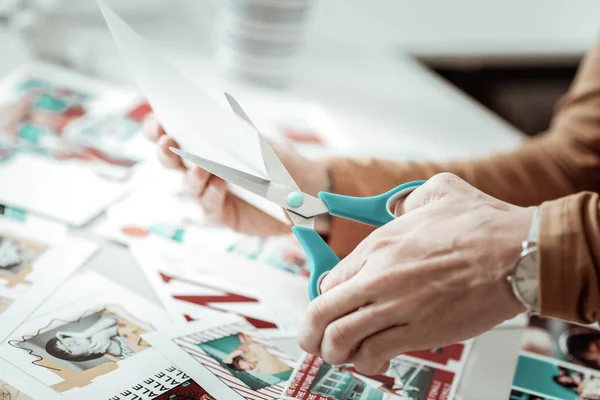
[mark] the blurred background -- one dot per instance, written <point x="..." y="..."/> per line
<point x="378" y="59"/>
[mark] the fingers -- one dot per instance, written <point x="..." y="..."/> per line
<point x="374" y="353"/>
<point x="434" y="189"/>
<point x="196" y="180"/>
<point x="166" y="157"/>
<point x="152" y="129"/>
<point x="342" y="272"/>
<point x="373" y="367"/>
<point x="326" y="308"/>
<point x="213" y="199"/>
<point x="343" y="337"/>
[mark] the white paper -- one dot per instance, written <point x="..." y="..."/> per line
<point x="187" y="347"/>
<point x="34" y="263"/>
<point x="127" y="365"/>
<point x="269" y="299"/>
<point x="198" y="124"/>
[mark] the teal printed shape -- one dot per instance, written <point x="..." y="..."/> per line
<point x="33" y="83"/>
<point x="537" y="375"/>
<point x="31" y="133"/>
<point x="50" y="103"/>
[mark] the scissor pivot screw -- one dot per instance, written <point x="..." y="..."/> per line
<point x="295" y="199"/>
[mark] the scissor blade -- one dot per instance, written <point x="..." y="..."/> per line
<point x="246" y="181"/>
<point x="238" y="110"/>
<point x="272" y="191"/>
<point x="275" y="168"/>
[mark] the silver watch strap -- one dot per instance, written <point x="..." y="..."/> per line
<point x="534" y="230"/>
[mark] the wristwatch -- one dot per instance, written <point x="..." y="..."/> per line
<point x="524" y="279"/>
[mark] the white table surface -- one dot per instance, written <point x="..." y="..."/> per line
<point x="459" y="31"/>
<point x="386" y="104"/>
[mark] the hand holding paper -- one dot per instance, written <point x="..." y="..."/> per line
<point x="229" y="210"/>
<point x="196" y="123"/>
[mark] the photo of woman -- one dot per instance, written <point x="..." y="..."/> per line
<point x="102" y="338"/>
<point x="249" y="360"/>
<point x="588" y="388"/>
<point x="252" y="356"/>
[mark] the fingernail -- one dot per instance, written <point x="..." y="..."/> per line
<point x="322" y="284"/>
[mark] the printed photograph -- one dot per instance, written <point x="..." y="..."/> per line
<point x="53" y="120"/>
<point x="79" y="351"/>
<point x="248" y="360"/>
<point x="563" y="341"/>
<point x="404" y="380"/>
<point x="188" y="390"/>
<point x="551" y="379"/>
<point x="281" y="252"/>
<point x="17" y="257"/>
<point x="5" y="302"/>
<point x="7" y="392"/>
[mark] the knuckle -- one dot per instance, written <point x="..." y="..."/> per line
<point x="315" y="316"/>
<point x="335" y="335"/>
<point x="304" y="341"/>
<point x="371" y="348"/>
<point x="334" y="345"/>
<point x="443" y="178"/>
<point x="367" y="367"/>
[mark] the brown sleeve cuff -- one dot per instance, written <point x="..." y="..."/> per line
<point x="569" y="258"/>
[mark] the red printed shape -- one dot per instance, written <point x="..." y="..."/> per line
<point x="225" y="297"/>
<point x="442" y="355"/>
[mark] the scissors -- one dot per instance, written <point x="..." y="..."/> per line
<point x="301" y="207"/>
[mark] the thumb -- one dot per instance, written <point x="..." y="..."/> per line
<point x="434" y="189"/>
<point x="342" y="272"/>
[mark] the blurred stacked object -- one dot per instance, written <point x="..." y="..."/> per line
<point x="257" y="41"/>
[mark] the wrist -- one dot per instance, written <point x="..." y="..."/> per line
<point x="523" y="278"/>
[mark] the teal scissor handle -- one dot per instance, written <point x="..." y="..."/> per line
<point x="375" y="210"/>
<point x="320" y="257"/>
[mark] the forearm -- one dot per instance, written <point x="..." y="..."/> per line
<point x="530" y="175"/>
<point x="569" y="258"/>
<point x="563" y="161"/>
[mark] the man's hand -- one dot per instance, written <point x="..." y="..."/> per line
<point x="221" y="206"/>
<point x="434" y="276"/>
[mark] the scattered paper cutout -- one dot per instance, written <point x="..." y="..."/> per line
<point x="81" y="350"/>
<point x="17" y="257"/>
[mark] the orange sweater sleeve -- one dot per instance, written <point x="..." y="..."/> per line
<point x="563" y="161"/>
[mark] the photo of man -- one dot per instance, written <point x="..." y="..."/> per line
<point x="249" y="360"/>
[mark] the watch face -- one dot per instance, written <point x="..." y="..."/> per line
<point x="527" y="278"/>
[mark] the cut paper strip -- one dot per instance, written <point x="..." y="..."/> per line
<point x="190" y="116"/>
